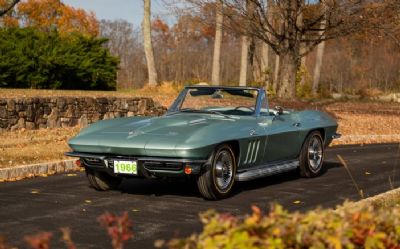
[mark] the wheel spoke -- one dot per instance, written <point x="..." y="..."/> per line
<point x="223" y="170"/>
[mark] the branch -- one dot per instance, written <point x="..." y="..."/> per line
<point x="10" y="7"/>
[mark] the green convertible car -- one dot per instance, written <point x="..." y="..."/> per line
<point x="216" y="135"/>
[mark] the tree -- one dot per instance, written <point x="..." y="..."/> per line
<point x="124" y="42"/>
<point x="6" y="6"/>
<point x="343" y="17"/>
<point x="37" y="59"/>
<point x="47" y="15"/>
<point x="148" y="46"/>
<point x="244" y="58"/>
<point x="318" y="62"/>
<point x="216" y="67"/>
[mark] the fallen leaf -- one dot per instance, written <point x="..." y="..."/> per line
<point x="296" y="202"/>
<point x="71" y="175"/>
<point x="367" y="173"/>
<point x="135" y="210"/>
<point x="88" y="201"/>
<point x="35" y="191"/>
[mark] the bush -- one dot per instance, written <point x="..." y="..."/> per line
<point x="33" y="59"/>
<point x="346" y="227"/>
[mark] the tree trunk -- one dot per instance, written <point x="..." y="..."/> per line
<point x="288" y="67"/>
<point x="276" y="73"/>
<point x="148" y="46"/>
<point x="216" y="67"/>
<point x="318" y="60"/>
<point x="8" y="7"/>
<point x="265" y="63"/>
<point x="244" y="61"/>
<point x="318" y="66"/>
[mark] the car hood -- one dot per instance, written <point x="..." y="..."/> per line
<point x="157" y="136"/>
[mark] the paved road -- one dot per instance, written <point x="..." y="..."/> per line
<point x="161" y="209"/>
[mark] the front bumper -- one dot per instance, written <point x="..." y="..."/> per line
<point x="336" y="136"/>
<point x="147" y="166"/>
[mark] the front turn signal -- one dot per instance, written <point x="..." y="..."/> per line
<point x="188" y="170"/>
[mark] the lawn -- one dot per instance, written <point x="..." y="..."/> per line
<point x="359" y="122"/>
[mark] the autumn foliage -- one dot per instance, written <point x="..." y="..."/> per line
<point x="47" y="15"/>
<point x="347" y="227"/>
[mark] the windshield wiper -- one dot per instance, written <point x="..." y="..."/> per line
<point x="200" y="111"/>
<point x="219" y="113"/>
<point x="182" y="110"/>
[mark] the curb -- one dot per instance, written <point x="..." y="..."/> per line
<point x="40" y="169"/>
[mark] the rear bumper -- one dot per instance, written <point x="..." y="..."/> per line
<point x="336" y="136"/>
<point x="147" y="166"/>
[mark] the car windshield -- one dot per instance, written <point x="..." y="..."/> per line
<point x="220" y="101"/>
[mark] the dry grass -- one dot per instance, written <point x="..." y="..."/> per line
<point x="163" y="94"/>
<point x="367" y="122"/>
<point x="29" y="147"/>
<point x="359" y="122"/>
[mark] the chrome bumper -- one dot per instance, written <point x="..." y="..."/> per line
<point x="336" y="136"/>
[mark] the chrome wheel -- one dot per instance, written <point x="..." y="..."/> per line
<point x="315" y="153"/>
<point x="224" y="166"/>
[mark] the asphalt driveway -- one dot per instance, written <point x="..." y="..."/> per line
<point x="161" y="209"/>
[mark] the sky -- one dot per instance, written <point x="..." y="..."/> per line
<point x="129" y="10"/>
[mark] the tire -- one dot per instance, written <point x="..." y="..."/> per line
<point x="102" y="181"/>
<point x="217" y="179"/>
<point x="312" y="155"/>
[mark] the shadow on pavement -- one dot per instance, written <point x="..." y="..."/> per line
<point x="188" y="187"/>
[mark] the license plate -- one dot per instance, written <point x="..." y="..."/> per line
<point x="125" y="167"/>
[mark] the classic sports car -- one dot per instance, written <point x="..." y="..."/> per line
<point x="217" y="135"/>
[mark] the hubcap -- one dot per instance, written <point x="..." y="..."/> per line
<point x="223" y="170"/>
<point x="315" y="153"/>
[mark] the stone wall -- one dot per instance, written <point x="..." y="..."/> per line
<point x="34" y="113"/>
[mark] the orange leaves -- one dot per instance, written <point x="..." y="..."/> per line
<point x="49" y="14"/>
<point x="159" y="25"/>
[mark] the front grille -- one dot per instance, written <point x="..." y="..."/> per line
<point x="169" y="166"/>
<point x="93" y="162"/>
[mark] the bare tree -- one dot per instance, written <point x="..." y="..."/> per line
<point x="343" y="17"/>
<point x="276" y="73"/>
<point x="125" y="41"/>
<point x="318" y="62"/>
<point x="148" y="46"/>
<point x="216" y="67"/>
<point x="244" y="58"/>
<point x="8" y="7"/>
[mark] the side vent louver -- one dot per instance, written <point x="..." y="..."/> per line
<point x="252" y="152"/>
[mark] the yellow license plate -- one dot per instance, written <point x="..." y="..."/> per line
<point x="125" y="167"/>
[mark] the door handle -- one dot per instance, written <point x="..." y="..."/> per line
<point x="297" y="124"/>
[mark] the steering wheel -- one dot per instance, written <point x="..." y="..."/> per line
<point x="245" y="107"/>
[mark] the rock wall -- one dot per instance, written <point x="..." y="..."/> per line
<point x="34" y="113"/>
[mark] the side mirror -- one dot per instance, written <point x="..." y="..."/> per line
<point x="279" y="110"/>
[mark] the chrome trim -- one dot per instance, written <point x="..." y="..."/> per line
<point x="267" y="170"/>
<point x="336" y="136"/>
<point x="154" y="159"/>
<point x="256" y="154"/>
<point x="248" y="151"/>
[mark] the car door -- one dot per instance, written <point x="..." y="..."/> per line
<point x="282" y="138"/>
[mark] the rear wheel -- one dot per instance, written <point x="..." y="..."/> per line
<point x="102" y="181"/>
<point x="312" y="155"/>
<point x="217" y="180"/>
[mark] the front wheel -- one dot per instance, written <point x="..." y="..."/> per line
<point x="102" y="181"/>
<point x="217" y="180"/>
<point x="312" y="155"/>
